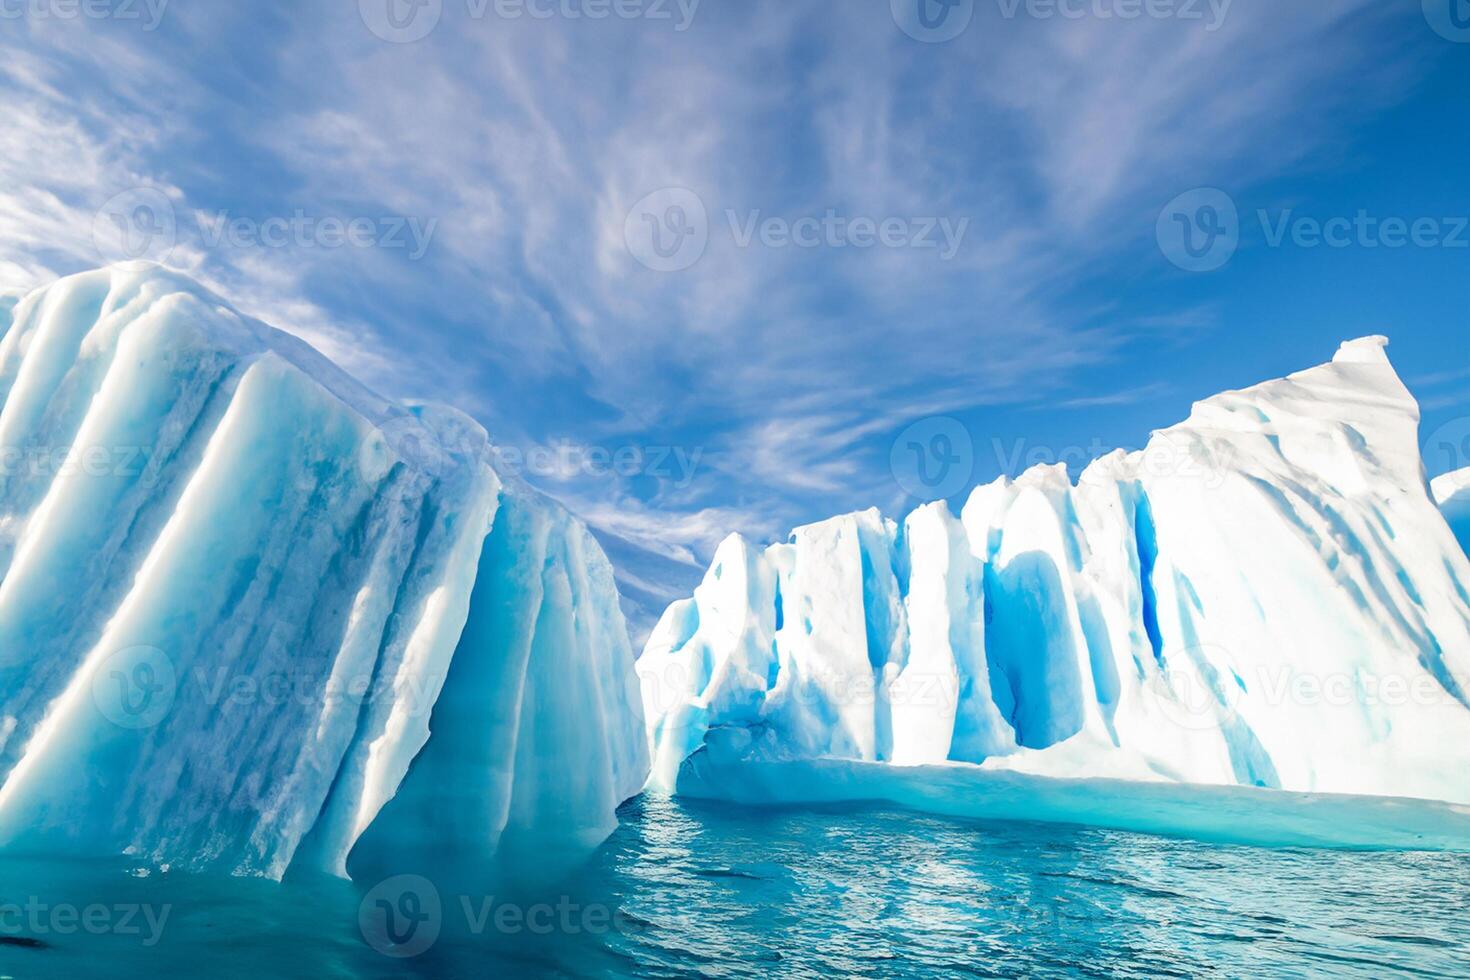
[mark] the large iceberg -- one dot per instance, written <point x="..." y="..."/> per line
<point x="254" y="617"/>
<point x="1265" y="596"/>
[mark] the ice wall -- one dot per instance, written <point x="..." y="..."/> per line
<point x="254" y="617"/>
<point x="1266" y="595"/>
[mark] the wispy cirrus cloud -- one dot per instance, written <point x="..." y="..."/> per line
<point x="1128" y="396"/>
<point x="528" y="141"/>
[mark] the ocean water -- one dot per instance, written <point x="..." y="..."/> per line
<point x="700" y="890"/>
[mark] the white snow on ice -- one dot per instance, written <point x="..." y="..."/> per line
<point x="1265" y="596"/>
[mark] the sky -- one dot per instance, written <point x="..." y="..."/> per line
<point x="706" y="266"/>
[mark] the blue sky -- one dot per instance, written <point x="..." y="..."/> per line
<point x="1026" y="287"/>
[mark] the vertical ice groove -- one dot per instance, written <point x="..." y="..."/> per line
<point x="84" y="524"/>
<point x="513" y="604"/>
<point x="541" y="604"/>
<point x="1246" y="600"/>
<point x="20" y="321"/>
<point x="63" y="320"/>
<point x="1146" y="543"/>
<point x="8" y="301"/>
<point x="723" y="641"/>
<point x="324" y="578"/>
<point x="69" y="715"/>
<point x="420" y="674"/>
<point x="430" y="605"/>
<point x="466" y="773"/>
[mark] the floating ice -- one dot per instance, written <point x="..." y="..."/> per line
<point x="1216" y="814"/>
<point x="1265" y="596"/>
<point x="254" y="617"/>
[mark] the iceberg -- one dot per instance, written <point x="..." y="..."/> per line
<point x="1265" y="597"/>
<point x="256" y="618"/>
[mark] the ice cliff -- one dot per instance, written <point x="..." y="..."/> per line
<point x="1265" y="596"/>
<point x="254" y="617"/>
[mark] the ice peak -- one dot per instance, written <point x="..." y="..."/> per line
<point x="1046" y="476"/>
<point x="1453" y="486"/>
<point x="1363" y="350"/>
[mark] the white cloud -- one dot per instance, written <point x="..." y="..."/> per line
<point x="528" y="141"/>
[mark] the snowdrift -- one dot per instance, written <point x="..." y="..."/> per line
<point x="1266" y="596"/>
<point x="254" y="617"/>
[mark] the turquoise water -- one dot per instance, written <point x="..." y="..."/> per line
<point x="689" y="890"/>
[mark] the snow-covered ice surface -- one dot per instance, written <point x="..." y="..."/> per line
<point x="254" y="617"/>
<point x="1265" y="596"/>
<point x="1214" y="814"/>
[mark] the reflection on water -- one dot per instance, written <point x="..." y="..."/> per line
<point x="685" y="890"/>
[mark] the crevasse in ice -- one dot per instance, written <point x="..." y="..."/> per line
<point x="254" y="617"/>
<point x="1265" y="596"/>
